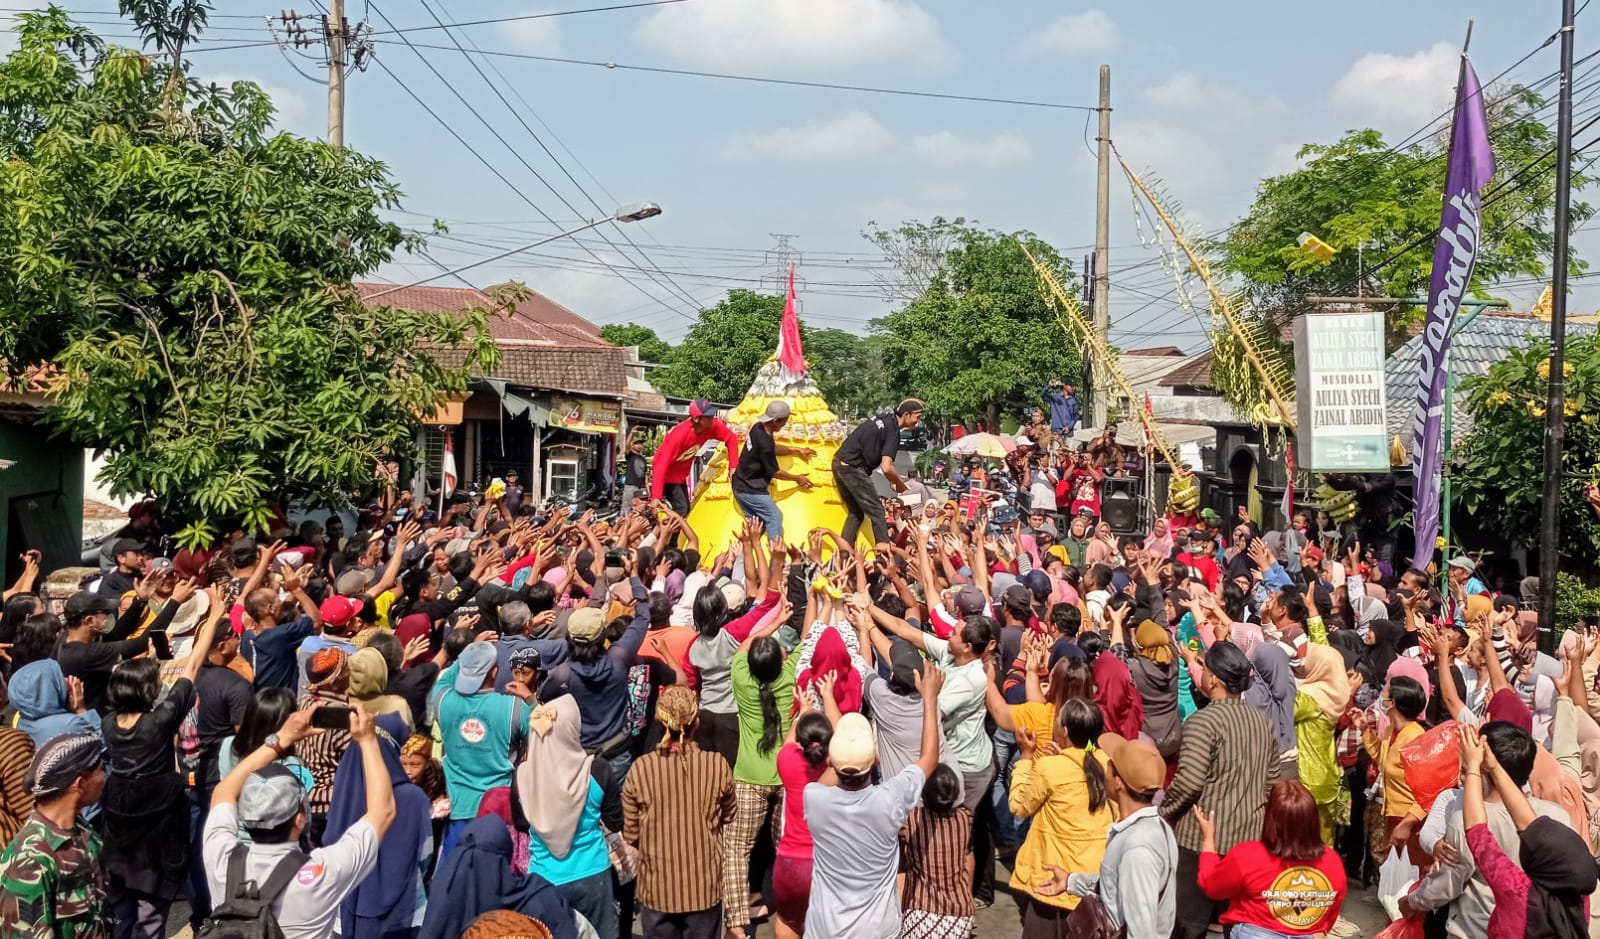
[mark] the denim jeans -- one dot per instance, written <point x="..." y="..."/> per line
<point x="1008" y="829"/>
<point x="1248" y="931"/>
<point x="761" y="505"/>
<point x="592" y="897"/>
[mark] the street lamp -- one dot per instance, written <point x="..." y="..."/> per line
<point x="634" y="212"/>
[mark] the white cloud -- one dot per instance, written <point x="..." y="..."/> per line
<point x="1284" y="158"/>
<point x="945" y="147"/>
<point x="1412" y="88"/>
<point x="539" y="36"/>
<point x="855" y="134"/>
<point x="792" y="32"/>
<point x="1187" y="92"/>
<point x="1187" y="163"/>
<point x="1083" y="33"/>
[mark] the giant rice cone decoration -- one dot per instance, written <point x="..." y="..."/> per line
<point x="812" y="424"/>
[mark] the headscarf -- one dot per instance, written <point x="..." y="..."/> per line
<point x="1154" y="642"/>
<point x="1118" y="699"/>
<point x="1407" y="667"/>
<point x="432" y="781"/>
<point x="1246" y="636"/>
<point x="39" y="693"/>
<point x="1273" y="691"/>
<point x="553" y="782"/>
<point x="369" y="675"/>
<point x="1159" y="542"/>
<point x="1325" y="681"/>
<point x="384" y="902"/>
<point x="476" y="877"/>
<point x="1562" y="871"/>
<point x="326" y="668"/>
<point x="1382" y="652"/>
<point x="1479" y="608"/>
<point x="500" y="802"/>
<point x="832" y="656"/>
<point x="676" y="709"/>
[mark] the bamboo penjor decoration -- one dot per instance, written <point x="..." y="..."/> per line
<point x="1100" y="353"/>
<point x="1277" y="385"/>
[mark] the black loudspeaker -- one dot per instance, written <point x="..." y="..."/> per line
<point x="1119" y="504"/>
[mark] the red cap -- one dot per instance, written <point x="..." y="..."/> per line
<point x="338" y="611"/>
<point x="1314" y="553"/>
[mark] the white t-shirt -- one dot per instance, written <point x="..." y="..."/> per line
<point x="961" y="707"/>
<point x="309" y="906"/>
<point x="857" y="855"/>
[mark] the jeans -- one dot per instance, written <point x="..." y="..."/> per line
<point x="592" y="897"/>
<point x="677" y="496"/>
<point x="701" y="924"/>
<point x="975" y="796"/>
<point x="1008" y="829"/>
<point x="761" y="505"/>
<point x="861" y="500"/>
<point x="196" y="889"/>
<point x="1248" y="931"/>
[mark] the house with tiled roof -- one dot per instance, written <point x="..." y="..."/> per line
<point x="551" y="409"/>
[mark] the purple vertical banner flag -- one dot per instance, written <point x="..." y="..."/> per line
<point x="1454" y="255"/>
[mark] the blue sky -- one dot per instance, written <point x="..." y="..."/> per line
<point x="1209" y="97"/>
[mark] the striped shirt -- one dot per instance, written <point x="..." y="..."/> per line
<point x="674" y="807"/>
<point x="322" y="752"/>
<point x="1227" y="765"/>
<point x="935" y="855"/>
<point x="16" y="801"/>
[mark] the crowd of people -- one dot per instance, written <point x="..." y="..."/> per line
<point x="502" y="720"/>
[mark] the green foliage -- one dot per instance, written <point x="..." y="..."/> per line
<point x="1574" y="600"/>
<point x="981" y="338"/>
<point x="720" y="354"/>
<point x="1498" y="472"/>
<point x="652" y="348"/>
<point x="188" y="273"/>
<point x="1378" y="207"/>
<point x="849" y="371"/>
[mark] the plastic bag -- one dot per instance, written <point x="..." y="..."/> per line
<point x="1401" y="929"/>
<point x="1395" y="879"/>
<point x="1432" y="762"/>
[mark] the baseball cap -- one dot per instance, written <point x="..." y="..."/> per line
<point x="734" y="593"/>
<point x="85" y="602"/>
<point x="1463" y="563"/>
<point x="1085" y="512"/>
<point x="124" y="545"/>
<point x="700" y="407"/>
<point x="586" y="624"/>
<point x="1138" y="763"/>
<point x="61" y="760"/>
<point x="271" y="797"/>
<point x="352" y="582"/>
<point x="854" y="747"/>
<point x="476" y="662"/>
<point x="776" y="411"/>
<point x="1315" y="554"/>
<point x="970" y="600"/>
<point x="1208" y="514"/>
<point x="338" y="611"/>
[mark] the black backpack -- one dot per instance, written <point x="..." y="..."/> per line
<point x="247" y="912"/>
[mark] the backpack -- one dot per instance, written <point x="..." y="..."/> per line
<point x="247" y="913"/>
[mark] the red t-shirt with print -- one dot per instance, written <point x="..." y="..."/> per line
<point x="1291" y="897"/>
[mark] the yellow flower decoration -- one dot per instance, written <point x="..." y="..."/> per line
<point x="1535" y="409"/>
<point x="1570" y="409"/>
<point x="1590" y="419"/>
<point x="1499" y="398"/>
<point x="1439" y="543"/>
<point x="1544" y="369"/>
<point x="1566" y="369"/>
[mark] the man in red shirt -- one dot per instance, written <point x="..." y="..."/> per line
<point x="669" y="473"/>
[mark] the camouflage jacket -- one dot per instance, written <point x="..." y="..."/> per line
<point x="52" y="885"/>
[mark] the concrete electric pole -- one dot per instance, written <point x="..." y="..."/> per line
<point x="1101" y="293"/>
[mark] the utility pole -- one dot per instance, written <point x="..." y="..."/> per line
<point x="336" y="30"/>
<point x="1555" y="400"/>
<point x="346" y="47"/>
<point x="1102" y="237"/>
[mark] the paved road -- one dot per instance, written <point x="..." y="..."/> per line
<point x="1000" y="921"/>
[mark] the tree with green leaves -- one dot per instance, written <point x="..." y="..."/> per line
<point x="652" y="348"/>
<point x="719" y="355"/>
<point x="849" y="371"/>
<point x="1498" y="471"/>
<point x="187" y="274"/>
<point x="983" y="337"/>
<point x="1378" y="206"/>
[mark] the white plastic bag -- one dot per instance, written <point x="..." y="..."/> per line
<point x="1395" y="879"/>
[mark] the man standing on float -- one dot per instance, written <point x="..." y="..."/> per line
<point x="669" y="473"/>
<point x="872" y="445"/>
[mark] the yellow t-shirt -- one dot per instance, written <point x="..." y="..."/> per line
<point x="1037" y="717"/>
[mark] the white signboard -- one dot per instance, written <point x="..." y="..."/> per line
<point x="1339" y="392"/>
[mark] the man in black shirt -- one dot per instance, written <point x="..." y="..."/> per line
<point x="635" y="466"/>
<point x="871" y="446"/>
<point x="758" y="467"/>
<point x="84" y="655"/>
<point x="129" y="555"/>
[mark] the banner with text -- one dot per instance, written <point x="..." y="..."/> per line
<point x="1339" y="393"/>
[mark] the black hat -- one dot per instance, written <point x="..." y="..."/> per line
<point x="84" y="603"/>
<point x="125" y="545"/>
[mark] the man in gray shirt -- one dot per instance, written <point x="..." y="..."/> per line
<point x="1137" y="879"/>
<point x="1455" y="880"/>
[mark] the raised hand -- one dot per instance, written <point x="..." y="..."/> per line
<point x="183" y="589"/>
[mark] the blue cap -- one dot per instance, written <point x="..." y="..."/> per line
<point x="476" y="662"/>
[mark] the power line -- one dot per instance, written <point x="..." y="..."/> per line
<point x="668" y="285"/>
<point x="496" y="134"/>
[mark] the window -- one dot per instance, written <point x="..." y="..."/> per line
<point x="561" y="478"/>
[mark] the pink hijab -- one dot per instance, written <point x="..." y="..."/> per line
<point x="1159" y="542"/>
<point x="1407" y="667"/>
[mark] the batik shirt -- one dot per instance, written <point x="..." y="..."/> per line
<point x="52" y="885"/>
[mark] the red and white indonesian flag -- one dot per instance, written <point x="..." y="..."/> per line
<point x="790" y="356"/>
<point x="448" y="468"/>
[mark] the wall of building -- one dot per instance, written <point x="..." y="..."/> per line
<point x="41" y="495"/>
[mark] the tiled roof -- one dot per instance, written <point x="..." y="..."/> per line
<point x="1196" y="373"/>
<point x="542" y="343"/>
<point x="1475" y="346"/>
<point x="1155" y="350"/>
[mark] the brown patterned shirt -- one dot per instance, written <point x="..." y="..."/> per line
<point x="674" y="807"/>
